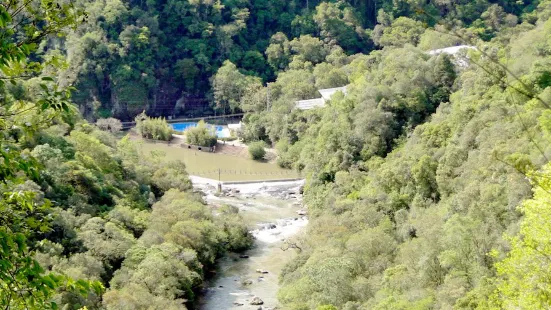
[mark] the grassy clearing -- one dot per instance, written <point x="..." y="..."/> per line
<point x="232" y="168"/>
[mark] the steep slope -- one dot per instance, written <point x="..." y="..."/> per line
<point x="421" y="227"/>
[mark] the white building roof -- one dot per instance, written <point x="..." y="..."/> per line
<point x="461" y="60"/>
<point x="327" y="93"/>
<point x="309" y="104"/>
<point x="452" y="50"/>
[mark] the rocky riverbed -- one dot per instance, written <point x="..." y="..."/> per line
<point x="275" y="215"/>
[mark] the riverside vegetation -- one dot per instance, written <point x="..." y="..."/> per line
<point x="427" y="185"/>
<point x="88" y="221"/>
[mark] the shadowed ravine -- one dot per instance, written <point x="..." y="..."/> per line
<point x="272" y="212"/>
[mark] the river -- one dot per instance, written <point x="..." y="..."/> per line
<point x="272" y="211"/>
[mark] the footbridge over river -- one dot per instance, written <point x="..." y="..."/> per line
<point x="254" y="186"/>
<point x="199" y="182"/>
<point x="237" y="176"/>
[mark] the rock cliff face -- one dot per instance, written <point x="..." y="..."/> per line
<point x="165" y="102"/>
<point x="126" y="102"/>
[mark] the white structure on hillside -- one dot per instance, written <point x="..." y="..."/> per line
<point x="452" y="50"/>
<point x="326" y="95"/>
<point x="309" y="104"/>
<point x="459" y="53"/>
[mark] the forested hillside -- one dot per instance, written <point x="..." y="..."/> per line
<point x="427" y="183"/>
<point x="161" y="55"/>
<point x="415" y="177"/>
<point x="87" y="220"/>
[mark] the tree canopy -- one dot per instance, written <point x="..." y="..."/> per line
<point x="132" y="56"/>
<point x="427" y="180"/>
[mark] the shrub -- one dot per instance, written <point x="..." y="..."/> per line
<point x="256" y="150"/>
<point x="201" y="135"/>
<point x="153" y="128"/>
<point x="109" y="124"/>
<point x="229" y="139"/>
<point x="288" y="156"/>
<point x="283" y="158"/>
<point x="236" y="234"/>
<point x="327" y="307"/>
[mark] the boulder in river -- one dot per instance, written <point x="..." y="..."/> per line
<point x="302" y="212"/>
<point x="237" y="304"/>
<point x="247" y="282"/>
<point x="256" y="301"/>
<point x="262" y="271"/>
<point x="243" y="256"/>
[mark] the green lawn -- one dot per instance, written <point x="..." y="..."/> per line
<point x="232" y="168"/>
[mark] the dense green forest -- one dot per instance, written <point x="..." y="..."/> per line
<point x="427" y="183"/>
<point x="416" y="178"/>
<point x="161" y="55"/>
<point x="87" y="219"/>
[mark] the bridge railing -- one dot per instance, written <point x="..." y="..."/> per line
<point x="242" y="172"/>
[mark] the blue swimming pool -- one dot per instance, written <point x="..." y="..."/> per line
<point x="221" y="131"/>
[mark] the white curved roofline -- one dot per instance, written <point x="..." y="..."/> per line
<point x="309" y="103"/>
<point x="452" y="50"/>
<point x="328" y="92"/>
